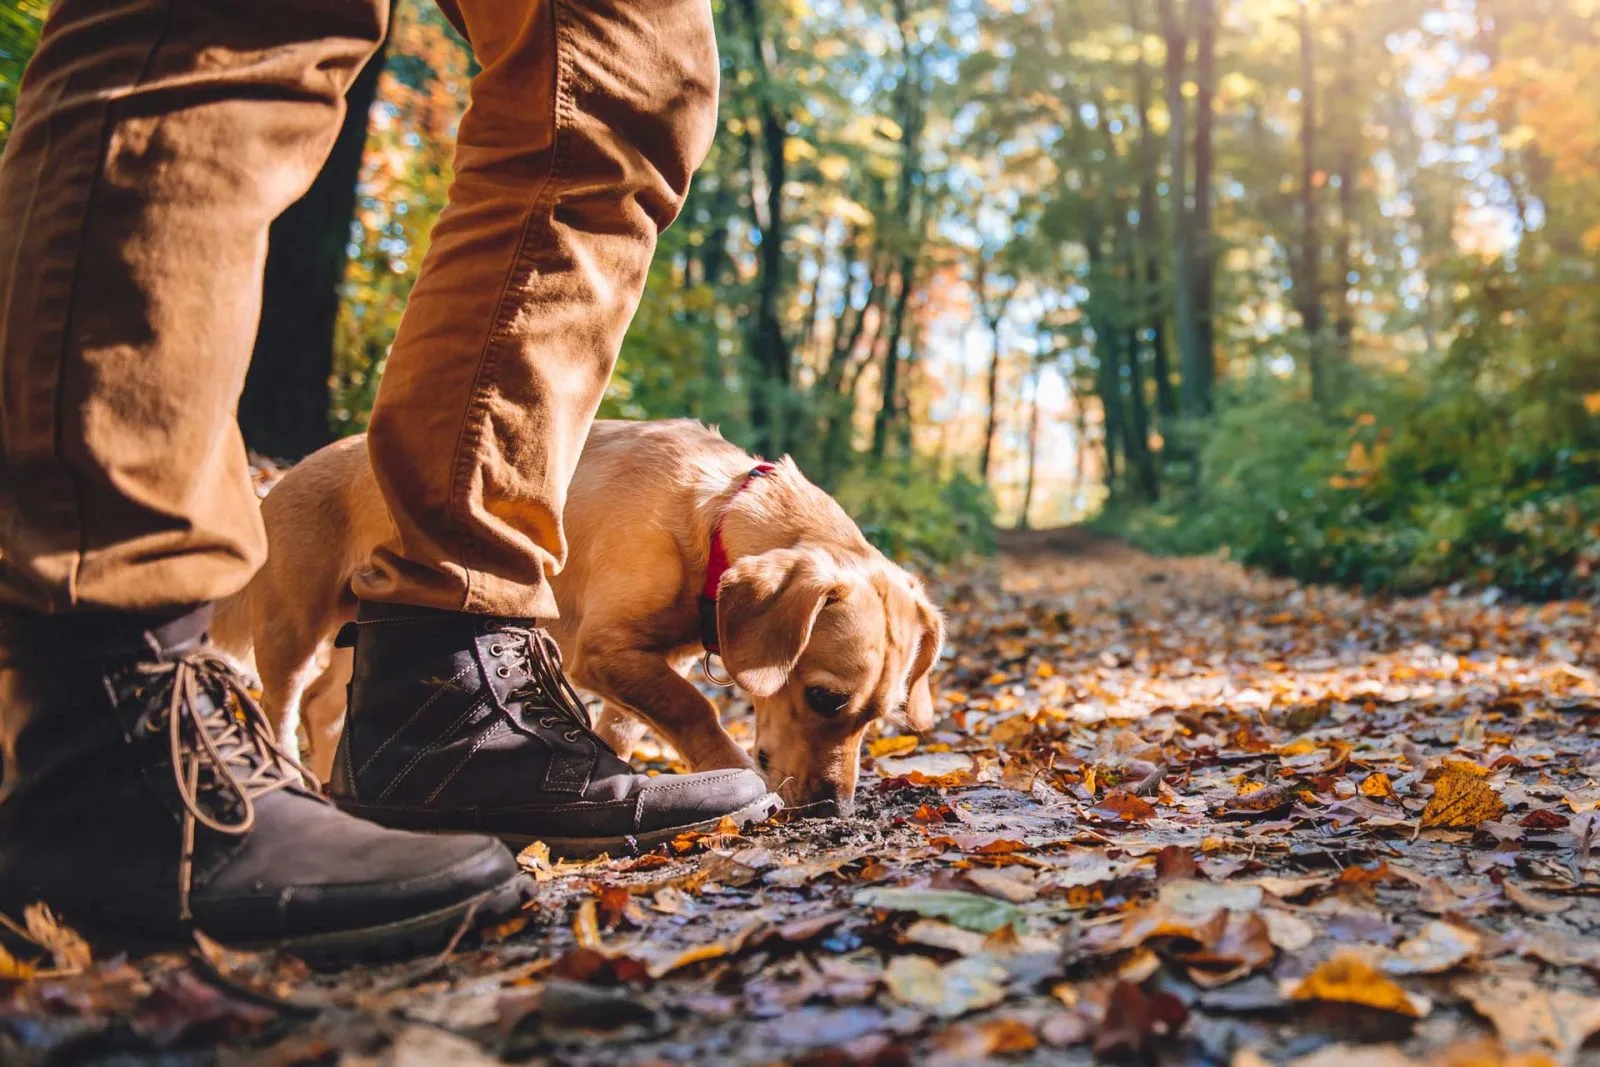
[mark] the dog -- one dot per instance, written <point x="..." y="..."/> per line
<point x="681" y="544"/>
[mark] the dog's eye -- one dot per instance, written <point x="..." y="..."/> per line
<point x="826" y="702"/>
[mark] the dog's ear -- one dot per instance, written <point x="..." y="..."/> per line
<point x="919" y="699"/>
<point x="766" y="607"/>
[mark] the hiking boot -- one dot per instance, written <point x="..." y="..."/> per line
<point x="143" y="798"/>
<point x="466" y="722"/>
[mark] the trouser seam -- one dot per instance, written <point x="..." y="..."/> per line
<point x="470" y="441"/>
<point x="108" y="123"/>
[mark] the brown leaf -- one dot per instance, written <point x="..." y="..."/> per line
<point x="184" y="1007"/>
<point x="1438" y="946"/>
<point x="1461" y="801"/>
<point x="1121" y="806"/>
<point x="1174" y="862"/>
<point x="988" y="1037"/>
<point x="1134" y="1019"/>
<point x="1530" y="1018"/>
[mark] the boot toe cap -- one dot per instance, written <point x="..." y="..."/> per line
<point x="682" y="800"/>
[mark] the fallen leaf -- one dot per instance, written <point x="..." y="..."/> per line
<point x="1438" y="947"/>
<point x="979" y="1040"/>
<point x="1003" y="883"/>
<point x="1377" y="786"/>
<point x="899" y="745"/>
<point x="1196" y="898"/>
<point x="69" y="951"/>
<point x="1528" y="1017"/>
<point x="586" y="926"/>
<point x="1349" y="979"/>
<point x="185" y="1007"/>
<point x="13" y="969"/>
<point x="967" y="910"/>
<point x="1460" y="801"/>
<point x="1287" y="931"/>
<point x="1134" y="1019"/>
<point x="1121" y="806"/>
<point x="948" y="991"/>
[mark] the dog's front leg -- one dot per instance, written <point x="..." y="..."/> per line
<point x="646" y="685"/>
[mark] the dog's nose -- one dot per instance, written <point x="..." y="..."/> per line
<point x="826" y="798"/>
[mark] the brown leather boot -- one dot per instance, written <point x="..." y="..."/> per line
<point x="466" y="722"/>
<point x="143" y="798"/>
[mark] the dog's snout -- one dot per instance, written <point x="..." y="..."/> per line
<point x="828" y="798"/>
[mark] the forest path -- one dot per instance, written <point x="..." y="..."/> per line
<point x="1177" y="812"/>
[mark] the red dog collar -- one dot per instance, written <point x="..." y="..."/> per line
<point x="717" y="564"/>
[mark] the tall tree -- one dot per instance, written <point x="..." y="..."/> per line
<point x="284" y="409"/>
<point x="1200" y="367"/>
<point x="1151" y="297"/>
<point x="1308" y="284"/>
<point x="1176" y="35"/>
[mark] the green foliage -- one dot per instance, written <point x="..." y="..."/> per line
<point x="909" y="512"/>
<point x="20" y="23"/>
<point x="1415" y="480"/>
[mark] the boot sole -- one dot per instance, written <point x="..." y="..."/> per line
<point x="636" y="844"/>
<point x="418" y="935"/>
<point x="409" y="938"/>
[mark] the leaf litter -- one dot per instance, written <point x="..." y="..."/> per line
<point x="1173" y="812"/>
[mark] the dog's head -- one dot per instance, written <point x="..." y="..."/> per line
<point x="824" y="648"/>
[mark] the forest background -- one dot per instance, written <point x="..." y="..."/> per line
<point x="1314" y="281"/>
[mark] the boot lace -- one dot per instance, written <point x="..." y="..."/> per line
<point x="224" y="757"/>
<point x="545" y="684"/>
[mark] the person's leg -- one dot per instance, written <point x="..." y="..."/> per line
<point x="585" y="124"/>
<point x="584" y="127"/>
<point x="154" y="142"/>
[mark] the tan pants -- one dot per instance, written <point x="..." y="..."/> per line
<point x="155" y="140"/>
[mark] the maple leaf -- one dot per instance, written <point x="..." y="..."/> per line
<point x="1460" y="801"/>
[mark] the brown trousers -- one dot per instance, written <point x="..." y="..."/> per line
<point x="155" y="140"/>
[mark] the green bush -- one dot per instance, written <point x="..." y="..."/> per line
<point x="1410" y="482"/>
<point x="910" y="513"/>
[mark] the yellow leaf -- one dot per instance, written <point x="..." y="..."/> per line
<point x="1303" y="747"/>
<point x="1377" y="785"/>
<point x="69" y="951"/>
<point x="891" y="746"/>
<point x="697" y="954"/>
<point x="1461" y="801"/>
<point x="13" y="968"/>
<point x="535" y="859"/>
<point x="1246" y="788"/>
<point x="586" y="926"/>
<point x="1349" y="979"/>
<point x="1591" y="401"/>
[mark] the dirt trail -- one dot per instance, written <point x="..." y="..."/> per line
<point x="1176" y="812"/>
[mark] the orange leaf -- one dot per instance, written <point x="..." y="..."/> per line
<point x="1377" y="785"/>
<point x="1461" y="800"/>
<point x="1349" y="979"/>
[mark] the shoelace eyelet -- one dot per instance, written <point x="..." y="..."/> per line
<point x="504" y="672"/>
<point x="497" y="650"/>
<point x="571" y="735"/>
<point x="548" y="722"/>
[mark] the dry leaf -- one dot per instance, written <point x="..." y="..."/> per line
<point x="1287" y="931"/>
<point x="948" y="991"/>
<point x="1438" y="947"/>
<point x="1350" y="979"/>
<point x="898" y="745"/>
<point x="1122" y="806"/>
<point x="586" y="926"/>
<point x="1530" y="1018"/>
<point x="1377" y="786"/>
<point x="1461" y="801"/>
<point x="13" y="969"/>
<point x="69" y="951"/>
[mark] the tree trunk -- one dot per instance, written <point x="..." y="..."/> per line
<point x="1177" y="40"/>
<point x="769" y="348"/>
<point x="1137" y="439"/>
<point x="992" y="392"/>
<point x="1350" y="135"/>
<point x="283" y="411"/>
<point x="1153" y="309"/>
<point x="1033" y="443"/>
<point x="1309" y="283"/>
<point x="889" y="402"/>
<point x="1202" y="372"/>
